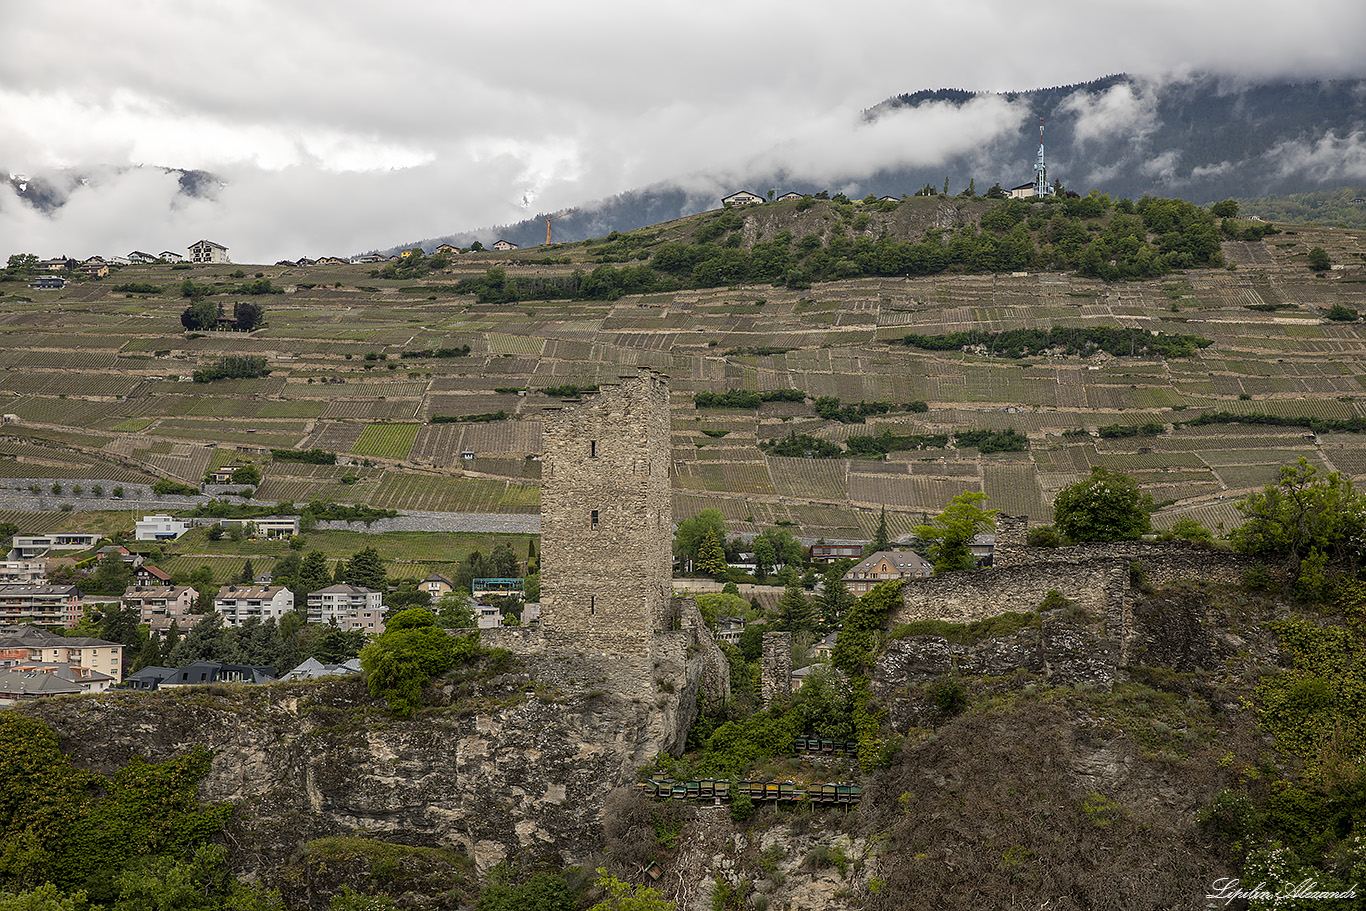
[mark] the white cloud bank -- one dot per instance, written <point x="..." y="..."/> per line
<point x="337" y="126"/>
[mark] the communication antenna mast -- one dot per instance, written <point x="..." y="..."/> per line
<point x="551" y="218"/>
<point x="1041" y="187"/>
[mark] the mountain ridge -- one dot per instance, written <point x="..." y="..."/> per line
<point x="1202" y="138"/>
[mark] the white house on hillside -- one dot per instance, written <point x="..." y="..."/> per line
<point x="238" y="603"/>
<point x="350" y="607"/>
<point x="743" y="198"/>
<point x="206" y="251"/>
<point x="160" y="528"/>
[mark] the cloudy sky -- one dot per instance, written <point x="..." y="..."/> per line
<point x="337" y="126"/>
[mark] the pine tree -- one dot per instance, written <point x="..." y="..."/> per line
<point x="313" y="573"/>
<point x="366" y="568"/>
<point x="794" y="610"/>
<point x="835" y="599"/>
<point x="248" y="573"/>
<point x="881" y="538"/>
<point x="711" y="557"/>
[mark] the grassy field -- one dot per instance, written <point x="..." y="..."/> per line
<point x="99" y="382"/>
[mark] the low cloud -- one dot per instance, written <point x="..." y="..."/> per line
<point x="1330" y="158"/>
<point x="1127" y="109"/>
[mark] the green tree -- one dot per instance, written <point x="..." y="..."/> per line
<point x="1304" y="514"/>
<point x="952" y="531"/>
<point x="711" y="556"/>
<point x="620" y="896"/>
<point x="123" y="625"/>
<point x="21" y="263"/>
<point x="692" y="532"/>
<point x="248" y="573"/>
<point x="202" y="314"/>
<point x="112" y="577"/>
<point x="543" y="891"/>
<point x="455" y="610"/>
<point x="835" y="599"/>
<point x="411" y="650"/>
<point x="1318" y="260"/>
<point x="765" y="557"/>
<point x="1107" y="506"/>
<point x="1226" y="209"/>
<point x="46" y="897"/>
<point x="882" y="539"/>
<point x="247" y="474"/>
<point x="313" y="573"/>
<point x="248" y="315"/>
<point x="794" y="610"/>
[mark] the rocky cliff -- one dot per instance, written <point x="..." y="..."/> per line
<point x="496" y="765"/>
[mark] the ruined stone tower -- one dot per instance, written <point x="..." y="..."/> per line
<point x="606" y="520"/>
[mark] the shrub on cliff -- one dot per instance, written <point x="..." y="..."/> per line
<point x="411" y="650"/>
<point x="1107" y="506"/>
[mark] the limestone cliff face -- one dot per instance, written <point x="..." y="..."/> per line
<point x="508" y="766"/>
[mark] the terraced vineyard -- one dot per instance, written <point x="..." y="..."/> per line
<point x="99" y="384"/>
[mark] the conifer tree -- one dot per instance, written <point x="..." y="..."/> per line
<point x="794" y="610"/>
<point x="882" y="539"/>
<point x="711" y="556"/>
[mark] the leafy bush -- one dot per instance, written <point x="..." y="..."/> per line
<point x="166" y="486"/>
<point x="801" y="445"/>
<point x="233" y="367"/>
<point x="744" y="398"/>
<point x="1043" y="536"/>
<point x="411" y="650"/>
<point x="1078" y="340"/>
<point x="1005" y="624"/>
<point x="569" y="390"/>
<point x="989" y="441"/>
<point x="308" y="456"/>
<point x="484" y="418"/>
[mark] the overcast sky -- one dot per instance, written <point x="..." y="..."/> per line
<point x="338" y="125"/>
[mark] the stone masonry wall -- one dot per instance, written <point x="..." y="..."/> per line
<point x="964" y="597"/>
<point x="1095" y="576"/>
<point x="775" y="669"/>
<point x="606" y="521"/>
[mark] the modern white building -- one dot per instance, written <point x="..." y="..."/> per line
<point x="23" y="572"/>
<point x="160" y="528"/>
<point x="27" y="547"/>
<point x="239" y="603"/>
<point x="348" y="606"/>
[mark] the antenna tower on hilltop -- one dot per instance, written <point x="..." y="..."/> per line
<point x="1041" y="187"/>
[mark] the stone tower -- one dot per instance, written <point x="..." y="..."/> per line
<point x="607" y="521"/>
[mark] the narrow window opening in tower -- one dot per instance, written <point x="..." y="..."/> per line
<point x="593" y="522"/>
<point x="592" y="604"/>
<point x="592" y="449"/>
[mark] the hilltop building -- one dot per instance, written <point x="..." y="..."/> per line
<point x="743" y="198"/>
<point x="206" y="251"/>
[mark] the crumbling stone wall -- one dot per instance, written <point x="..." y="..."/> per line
<point x="1098" y="577"/>
<point x="606" y="521"/>
<point x="775" y="669"/>
<point x="609" y="620"/>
